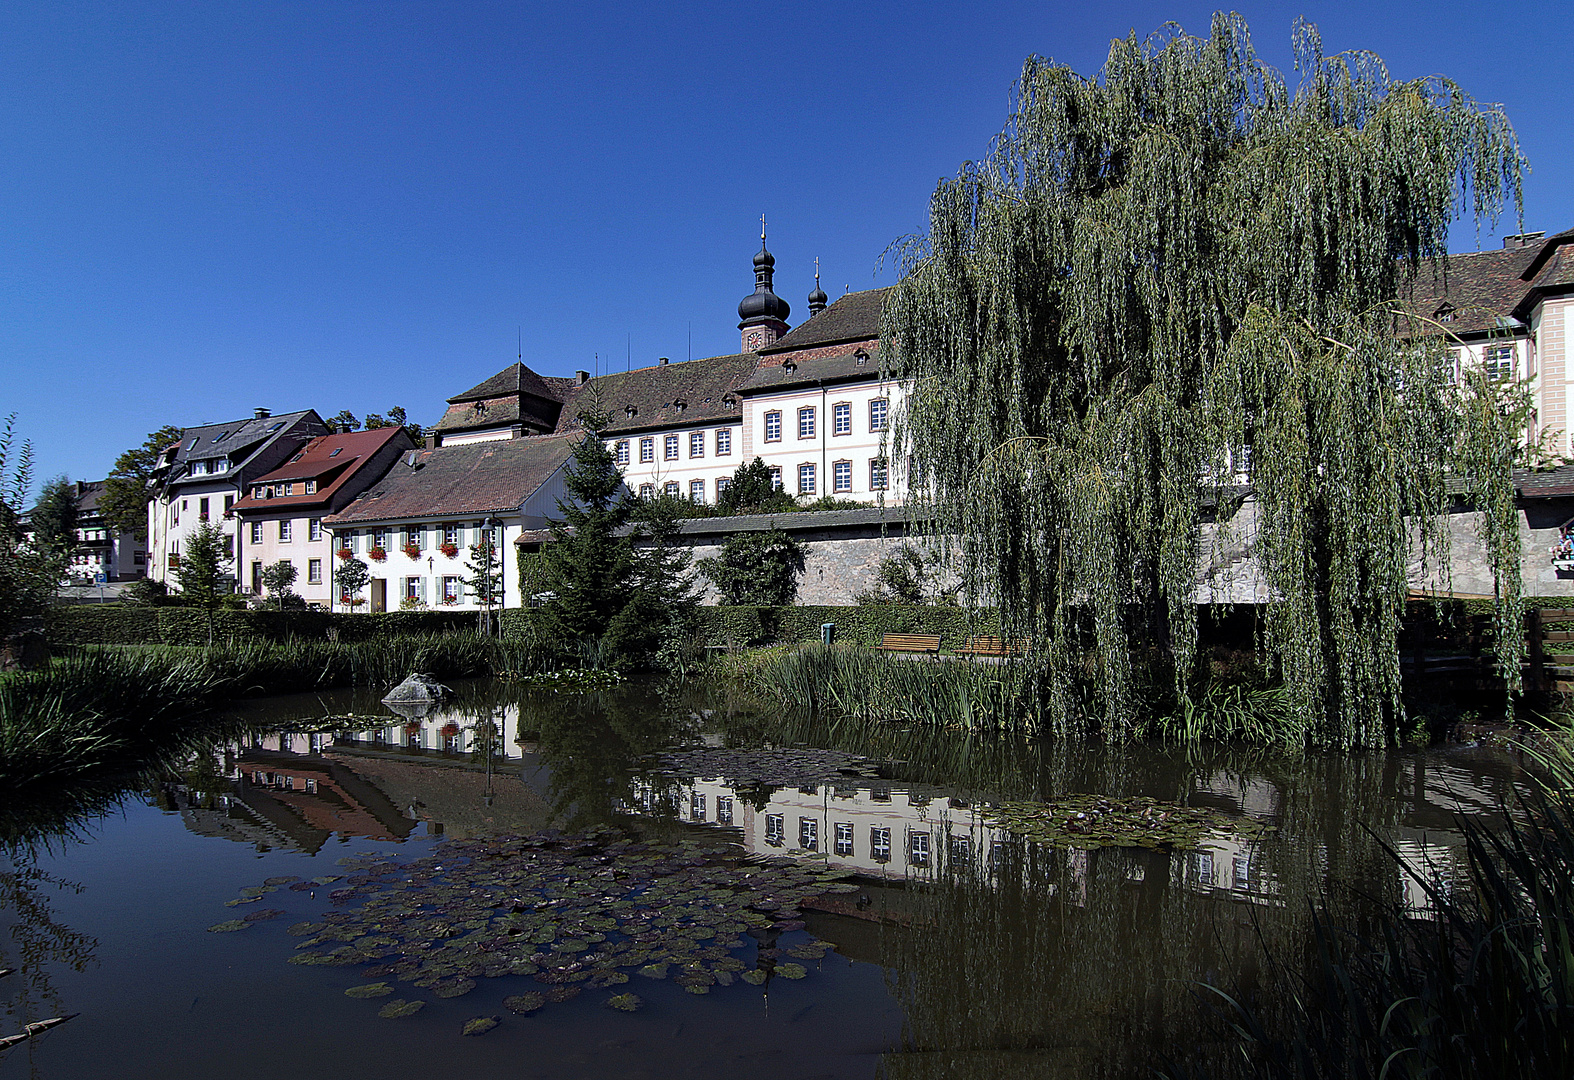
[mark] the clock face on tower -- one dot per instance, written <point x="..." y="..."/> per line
<point x="754" y="339"/>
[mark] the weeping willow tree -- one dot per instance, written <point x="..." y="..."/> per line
<point x="1168" y="277"/>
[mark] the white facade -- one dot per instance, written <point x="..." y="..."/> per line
<point x="172" y="520"/>
<point x="303" y="541"/>
<point x="829" y="440"/>
<point x="693" y="463"/>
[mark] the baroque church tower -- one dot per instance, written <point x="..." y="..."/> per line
<point x="763" y="313"/>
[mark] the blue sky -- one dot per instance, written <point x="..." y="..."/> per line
<point x="206" y="208"/>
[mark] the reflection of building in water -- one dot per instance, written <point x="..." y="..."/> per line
<point x="297" y="789"/>
<point x="872" y="829"/>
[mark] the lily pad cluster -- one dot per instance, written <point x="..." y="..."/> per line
<point x="1092" y="821"/>
<point x="572" y="912"/>
<point x="771" y="768"/>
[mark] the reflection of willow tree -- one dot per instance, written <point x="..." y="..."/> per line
<point x="1040" y="973"/>
<point x="592" y="743"/>
<point x="34" y="941"/>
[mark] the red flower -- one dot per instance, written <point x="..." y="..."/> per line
<point x="449" y="549"/>
<point x="376" y="554"/>
<point x="345" y="553"/>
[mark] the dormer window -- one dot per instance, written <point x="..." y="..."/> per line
<point x="862" y="357"/>
<point x="1446" y="313"/>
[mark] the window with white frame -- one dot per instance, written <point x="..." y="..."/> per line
<point x="311" y="487"/>
<point x="842" y="476"/>
<point x="724" y="809"/>
<point x="669" y="448"/>
<point x="844" y="838"/>
<point x="256" y="532"/>
<point x="415" y="588"/>
<point x="314" y="571"/>
<point x="806" y="479"/>
<point x="1498" y="363"/>
<point x="380" y="538"/>
<point x="842" y="418"/>
<point x="453" y="590"/>
<point x="350" y="540"/>
<point x="696" y="444"/>
<point x="451" y="533"/>
<point x="722" y="483"/>
<point x="285" y="530"/>
<point x="880" y="844"/>
<point x="960" y="850"/>
<point x="918" y="849"/>
<point x="697" y="806"/>
<point x="696" y="491"/>
<point x="671" y="489"/>
<point x="723" y="441"/>
<point x="647" y="491"/>
<point x="776" y="477"/>
<point x="647" y="449"/>
<point x="773" y="426"/>
<point x="877" y="474"/>
<point x="620" y="451"/>
<point x="806" y="422"/>
<point x="314" y="529"/>
<point x="808" y="834"/>
<point x="879" y="412"/>
<point x="775" y="833"/>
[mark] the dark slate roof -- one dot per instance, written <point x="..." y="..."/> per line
<point x="514" y="379"/>
<point x="854" y="317"/>
<point x="506" y="412"/>
<point x="842" y="367"/>
<point x="703" y="387"/>
<point x="1482" y="287"/>
<point x="1553" y="268"/>
<point x="240" y="440"/>
<point x="475" y="478"/>
<point x="1554" y="483"/>
<point x="1545" y="250"/>
<point x="89" y="492"/>
<point x="332" y="471"/>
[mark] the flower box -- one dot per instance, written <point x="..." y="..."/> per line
<point x="449" y="550"/>
<point x="449" y="601"/>
<point x="413" y="550"/>
<point x="345" y="553"/>
<point x="377" y="554"/>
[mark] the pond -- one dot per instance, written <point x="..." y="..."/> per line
<point x="679" y="882"/>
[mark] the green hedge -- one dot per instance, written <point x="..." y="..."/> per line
<point x="862" y="625"/>
<point x="126" y="624"/>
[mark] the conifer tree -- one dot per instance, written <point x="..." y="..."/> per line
<point x="205" y="574"/>
<point x="1157" y="273"/>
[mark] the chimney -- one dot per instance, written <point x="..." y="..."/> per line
<point x="663" y="362"/>
<point x="581" y="378"/>
<point x="261" y="414"/>
<point x="1520" y="240"/>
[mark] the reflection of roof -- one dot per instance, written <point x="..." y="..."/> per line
<point x="331" y="460"/>
<point x="664" y="396"/>
<point x="475" y="478"/>
<point x="855" y="364"/>
<point x="854" y="317"/>
<point x="453" y="794"/>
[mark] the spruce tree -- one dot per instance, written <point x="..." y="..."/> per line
<point x="590" y="566"/>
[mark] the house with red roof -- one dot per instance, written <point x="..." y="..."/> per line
<point x="281" y="513"/>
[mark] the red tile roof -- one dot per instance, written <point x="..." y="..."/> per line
<point x="334" y="461"/>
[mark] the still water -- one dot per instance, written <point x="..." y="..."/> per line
<point x="956" y="948"/>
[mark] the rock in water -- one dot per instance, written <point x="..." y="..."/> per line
<point x="418" y="689"/>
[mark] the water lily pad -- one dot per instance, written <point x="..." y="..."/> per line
<point x="261" y="916"/>
<point x="243" y="900"/>
<point x="372" y="990"/>
<point x="791" y="971"/>
<point x="399" y="1007"/>
<point x="754" y="976"/>
<point x="281" y="880"/>
<point x="228" y="927"/>
<point x="562" y="993"/>
<point x="480" y="1025"/>
<point x="524" y="1004"/>
<point x="453" y="989"/>
<point x="654" y="971"/>
<point x="625" y="1002"/>
<point x="303" y="929"/>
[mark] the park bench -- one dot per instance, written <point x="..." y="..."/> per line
<point x="986" y="645"/>
<point x="925" y="643"/>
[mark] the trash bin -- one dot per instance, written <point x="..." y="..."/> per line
<point x="827" y="633"/>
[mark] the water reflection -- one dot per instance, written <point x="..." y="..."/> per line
<point x="1008" y="959"/>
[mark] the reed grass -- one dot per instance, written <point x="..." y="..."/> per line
<point x="851" y="681"/>
<point x="1485" y="987"/>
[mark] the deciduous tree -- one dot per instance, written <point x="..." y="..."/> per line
<point x="279" y="580"/>
<point x="124" y="503"/>
<point x="54" y="517"/>
<point x="1157" y="271"/>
